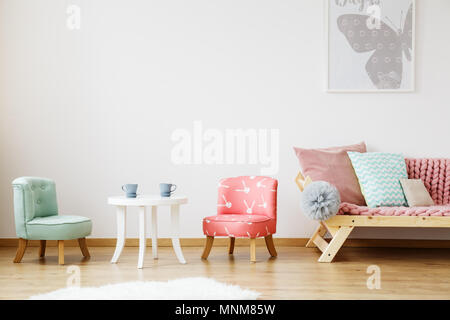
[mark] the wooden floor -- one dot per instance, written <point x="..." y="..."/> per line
<point x="295" y="274"/>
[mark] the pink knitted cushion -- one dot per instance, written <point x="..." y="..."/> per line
<point x="435" y="173"/>
<point x="333" y="165"/>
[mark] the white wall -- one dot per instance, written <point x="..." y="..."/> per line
<point x="96" y="108"/>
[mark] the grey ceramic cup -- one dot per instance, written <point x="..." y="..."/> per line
<point x="130" y="190"/>
<point x="166" y="189"/>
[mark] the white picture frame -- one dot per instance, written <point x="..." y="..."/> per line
<point x="408" y="84"/>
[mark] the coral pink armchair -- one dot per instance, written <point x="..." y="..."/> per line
<point x="247" y="208"/>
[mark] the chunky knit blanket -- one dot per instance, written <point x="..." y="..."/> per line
<point x="435" y="173"/>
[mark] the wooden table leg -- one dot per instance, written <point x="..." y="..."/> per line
<point x="175" y="211"/>
<point x="121" y="233"/>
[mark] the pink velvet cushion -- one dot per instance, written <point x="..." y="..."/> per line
<point x="334" y="166"/>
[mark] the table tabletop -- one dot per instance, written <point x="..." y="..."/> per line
<point x="147" y="200"/>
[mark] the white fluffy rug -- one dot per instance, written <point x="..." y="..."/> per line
<point x="179" y="289"/>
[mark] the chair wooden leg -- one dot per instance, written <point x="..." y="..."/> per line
<point x="60" y="251"/>
<point x="208" y="246"/>
<point x="20" y="250"/>
<point x="231" y="246"/>
<point x="42" y="245"/>
<point x="270" y="246"/>
<point x="253" y="250"/>
<point x="84" y="248"/>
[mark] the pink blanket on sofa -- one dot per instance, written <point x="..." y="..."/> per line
<point x="353" y="209"/>
<point x="435" y="174"/>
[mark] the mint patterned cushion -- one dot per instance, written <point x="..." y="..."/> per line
<point x="378" y="174"/>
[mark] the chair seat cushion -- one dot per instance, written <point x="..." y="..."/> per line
<point x="435" y="211"/>
<point x="58" y="228"/>
<point x="239" y="225"/>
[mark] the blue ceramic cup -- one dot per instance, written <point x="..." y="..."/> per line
<point x="130" y="190"/>
<point x="166" y="189"/>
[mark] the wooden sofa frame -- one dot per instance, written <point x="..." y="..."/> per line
<point x="340" y="226"/>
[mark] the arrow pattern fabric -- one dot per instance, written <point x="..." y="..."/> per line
<point x="246" y="207"/>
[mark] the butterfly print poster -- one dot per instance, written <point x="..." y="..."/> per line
<point x="370" y="45"/>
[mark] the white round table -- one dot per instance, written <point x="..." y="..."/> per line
<point x="142" y="202"/>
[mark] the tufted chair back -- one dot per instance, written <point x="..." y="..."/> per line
<point x="435" y="174"/>
<point x="33" y="197"/>
<point x="248" y="195"/>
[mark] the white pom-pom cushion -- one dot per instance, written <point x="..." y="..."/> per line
<point x="379" y="176"/>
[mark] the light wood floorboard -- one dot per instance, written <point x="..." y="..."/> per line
<point x="294" y="274"/>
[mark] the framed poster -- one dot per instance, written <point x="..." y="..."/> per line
<point x="370" y="45"/>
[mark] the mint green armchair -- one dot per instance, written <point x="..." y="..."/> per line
<point x="36" y="218"/>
